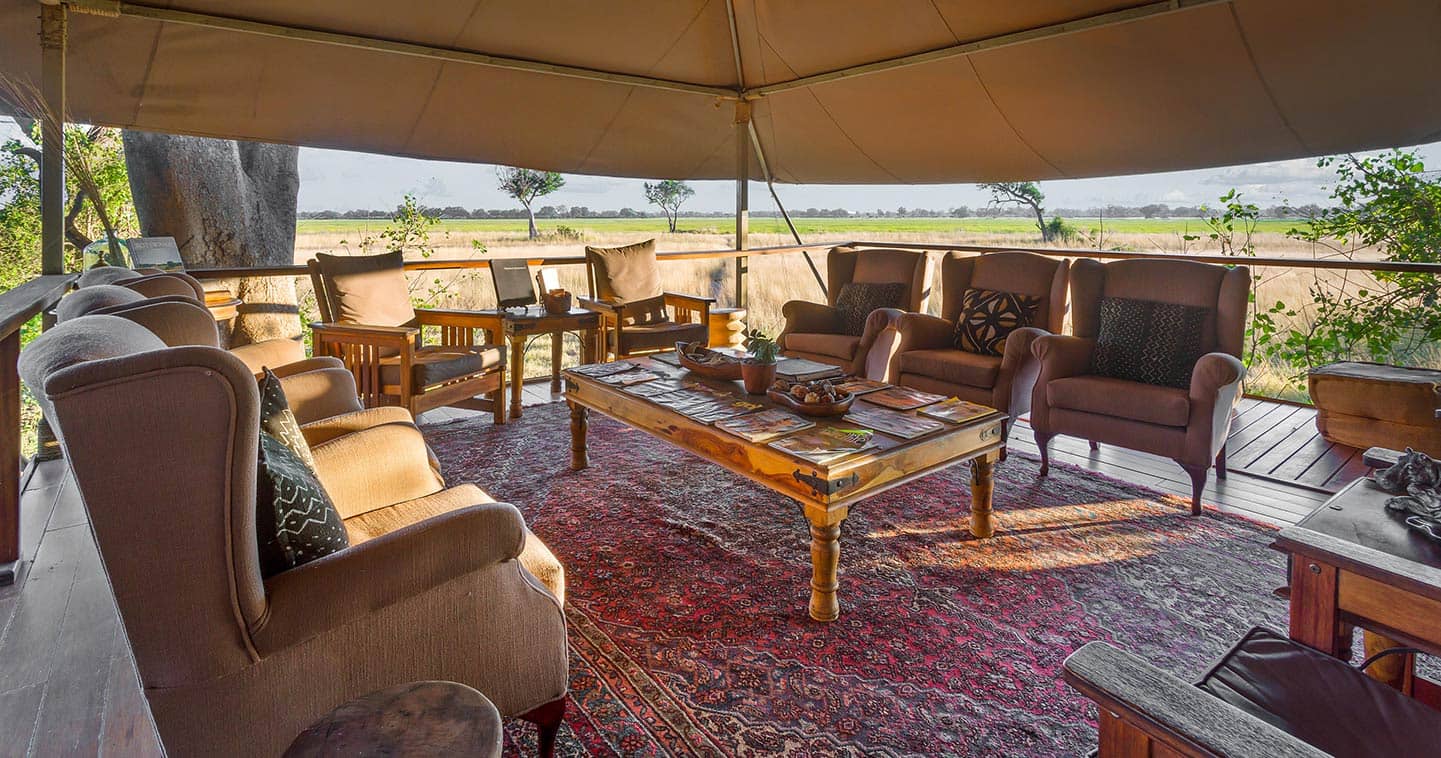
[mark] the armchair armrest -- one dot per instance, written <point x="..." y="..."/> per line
<point x="269" y="354"/>
<point x="1019" y="369"/>
<point x="375" y="467"/>
<point x="454" y="317"/>
<point x="349" y="585"/>
<point x="601" y="306"/>
<point x="326" y="429"/>
<point x="318" y="388"/>
<point x="921" y="331"/>
<point x="808" y="318"/>
<point x="688" y="301"/>
<point x="1215" y="388"/>
<point x="1062" y="355"/>
<point x="1214" y="373"/>
<point x="384" y="336"/>
<point x="313" y="363"/>
<point x="1171" y="710"/>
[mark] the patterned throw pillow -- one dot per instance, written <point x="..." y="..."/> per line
<point x="988" y="317"/>
<point x="1149" y="342"/>
<point x="295" y="521"/>
<point x="856" y="301"/>
<point x="277" y="420"/>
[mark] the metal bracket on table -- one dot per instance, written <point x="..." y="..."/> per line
<point x="823" y="486"/>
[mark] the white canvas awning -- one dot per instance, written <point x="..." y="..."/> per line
<point x="994" y="90"/>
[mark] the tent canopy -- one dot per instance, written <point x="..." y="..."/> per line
<point x="649" y="88"/>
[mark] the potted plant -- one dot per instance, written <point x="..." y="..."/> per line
<point x="758" y="370"/>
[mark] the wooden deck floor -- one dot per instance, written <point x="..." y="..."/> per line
<point x="67" y="680"/>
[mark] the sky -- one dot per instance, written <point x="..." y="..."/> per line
<point x="339" y="180"/>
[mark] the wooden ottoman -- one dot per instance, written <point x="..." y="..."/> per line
<point x="418" y="719"/>
<point x="1375" y="405"/>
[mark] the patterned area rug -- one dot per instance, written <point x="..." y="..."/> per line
<point x="688" y="585"/>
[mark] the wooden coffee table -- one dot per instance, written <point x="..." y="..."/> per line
<point x="826" y="492"/>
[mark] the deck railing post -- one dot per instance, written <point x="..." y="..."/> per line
<point x="9" y="458"/>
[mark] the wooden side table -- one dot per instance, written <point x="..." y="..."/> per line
<point x="1355" y="564"/>
<point x="416" y="719"/>
<point x="512" y="327"/>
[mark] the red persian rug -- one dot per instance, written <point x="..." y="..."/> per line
<point x="687" y="590"/>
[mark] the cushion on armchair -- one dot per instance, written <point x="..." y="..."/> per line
<point x="367" y="289"/>
<point x="295" y="520"/>
<point x="856" y="301"/>
<point x="1147" y="341"/>
<point x="988" y="317"/>
<point x="625" y="274"/>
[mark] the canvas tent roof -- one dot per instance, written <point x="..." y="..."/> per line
<point x="1045" y="90"/>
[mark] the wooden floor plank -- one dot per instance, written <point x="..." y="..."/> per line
<point x="19" y="710"/>
<point x="1302" y="442"/>
<point x="126" y="728"/>
<point x="1246" y="446"/>
<point x="31" y="641"/>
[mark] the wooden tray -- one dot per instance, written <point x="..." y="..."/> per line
<point x="729" y="370"/>
<point x="838" y="408"/>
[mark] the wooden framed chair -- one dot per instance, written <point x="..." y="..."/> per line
<point x="369" y="323"/>
<point x="637" y="316"/>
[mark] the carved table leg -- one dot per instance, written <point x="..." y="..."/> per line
<point x="825" y="557"/>
<point x="517" y="373"/>
<point x="556" y="341"/>
<point x="982" y="487"/>
<point x="579" y="425"/>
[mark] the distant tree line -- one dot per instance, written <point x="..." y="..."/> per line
<point x="1150" y="210"/>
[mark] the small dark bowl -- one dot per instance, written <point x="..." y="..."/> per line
<point x="838" y="408"/>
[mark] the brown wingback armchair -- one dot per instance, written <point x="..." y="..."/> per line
<point x="367" y="320"/>
<point x="438" y="584"/>
<point x="1188" y="425"/>
<point x="637" y="315"/>
<point x="818" y="332"/>
<point x="928" y="358"/>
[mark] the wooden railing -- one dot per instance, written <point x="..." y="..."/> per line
<point x="17" y="307"/>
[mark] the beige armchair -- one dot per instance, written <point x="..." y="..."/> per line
<point x="437" y="584"/>
<point x="636" y="315"/>
<point x="1188" y="425"/>
<point x="817" y="332"/>
<point x="928" y="359"/>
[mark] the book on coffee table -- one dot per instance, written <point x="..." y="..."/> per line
<point x="627" y="378"/>
<point x="858" y="385"/>
<point x="598" y="370"/>
<point x="895" y="423"/>
<point x="652" y="388"/>
<point x="802" y="370"/>
<point x="826" y="443"/>
<point x="719" y="410"/>
<point x="956" y="410"/>
<point x="903" y="398"/>
<point x="764" y="426"/>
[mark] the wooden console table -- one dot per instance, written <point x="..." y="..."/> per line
<point x="1354" y="564"/>
<point x="514" y="326"/>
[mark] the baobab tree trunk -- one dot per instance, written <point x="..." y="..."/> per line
<point x="226" y="203"/>
<point x="531" y="215"/>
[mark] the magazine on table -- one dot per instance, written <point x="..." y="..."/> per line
<point x="764" y="426"/>
<point x="597" y="370"/>
<point x="895" y="423"/>
<point x="652" y="388"/>
<point x="627" y="378"/>
<point x="802" y="370"/>
<point x="903" y="398"/>
<point x="957" y="411"/>
<point x="719" y="410"/>
<point x="858" y="385"/>
<point x="687" y="396"/>
<point x="826" y="444"/>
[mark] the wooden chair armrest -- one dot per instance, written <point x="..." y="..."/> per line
<point x="601" y="306"/>
<point x="1183" y="716"/>
<point x="387" y="336"/>
<point x="690" y="301"/>
<point x="452" y="317"/>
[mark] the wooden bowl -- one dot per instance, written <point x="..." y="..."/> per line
<point x="838" y="408"/>
<point x="730" y="369"/>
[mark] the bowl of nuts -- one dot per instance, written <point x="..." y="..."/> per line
<point x="814" y="398"/>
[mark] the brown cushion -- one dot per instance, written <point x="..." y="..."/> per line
<point x="1320" y="700"/>
<point x="989" y="316"/>
<point x="662" y="336"/>
<point x="367" y="289"/>
<point x="436" y="364"/>
<point x="1167" y="406"/>
<point x="881" y="266"/>
<point x="624" y="274"/>
<point x="1148" y="341"/>
<point x="835" y="345"/>
<point x="953" y="366"/>
<point x="857" y="300"/>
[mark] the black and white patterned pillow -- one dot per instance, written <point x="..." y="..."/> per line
<point x="1147" y="341"/>
<point x="856" y="301"/>
<point x="295" y="520"/>
<point x="277" y="420"/>
<point x="989" y="316"/>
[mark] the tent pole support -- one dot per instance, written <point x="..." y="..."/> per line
<point x="52" y="138"/>
<point x="743" y="212"/>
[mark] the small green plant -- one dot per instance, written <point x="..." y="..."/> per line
<point x="761" y="347"/>
<point x="568" y="233"/>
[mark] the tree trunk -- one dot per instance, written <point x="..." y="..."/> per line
<point x="531" y="215"/>
<point x="1041" y="223"/>
<point x="226" y="203"/>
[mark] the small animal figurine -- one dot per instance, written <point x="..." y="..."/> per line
<point x="1415" y="480"/>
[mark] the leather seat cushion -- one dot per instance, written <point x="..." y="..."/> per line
<point x="1321" y="700"/>
<point x="841" y="346"/>
<point x="661" y="336"/>
<point x="953" y="366"/>
<point x="436" y="364"/>
<point x="1148" y="403"/>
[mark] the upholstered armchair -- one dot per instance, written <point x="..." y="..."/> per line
<point x="368" y="322"/>
<point x="931" y="356"/>
<point x="437" y="584"/>
<point x="1187" y="421"/>
<point x="636" y="315"/>
<point x="835" y="332"/>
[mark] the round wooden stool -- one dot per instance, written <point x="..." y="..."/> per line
<point x="727" y="327"/>
<point x="416" y="719"/>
